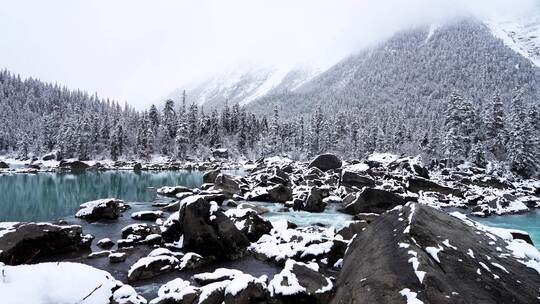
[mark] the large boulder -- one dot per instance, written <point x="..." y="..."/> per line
<point x="209" y="177"/>
<point x="417" y="253"/>
<point x="74" y="165"/>
<point x="300" y="283"/>
<point x="108" y="208"/>
<point x="209" y="232"/>
<point x="173" y="191"/>
<point x="228" y="184"/>
<point x="417" y="184"/>
<point x="372" y="200"/>
<point x="249" y="222"/>
<point x="325" y="162"/>
<point x="27" y="242"/>
<point x="353" y="179"/>
<point x="151" y="266"/>
<point x="277" y="194"/>
<point x="3" y="165"/>
<point x="313" y="203"/>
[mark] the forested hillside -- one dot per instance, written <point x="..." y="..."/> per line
<point x="454" y="93"/>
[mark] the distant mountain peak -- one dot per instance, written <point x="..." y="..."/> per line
<point x="522" y="35"/>
<point x="243" y="86"/>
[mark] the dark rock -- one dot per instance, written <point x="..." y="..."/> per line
<point x="150" y="267"/>
<point x="352" y="228"/>
<point x="278" y="193"/>
<point x="317" y="288"/>
<point x="137" y="167"/>
<point x="173" y="191"/>
<point x="75" y="165"/>
<point x="252" y="225"/>
<point x="49" y="156"/>
<point x="448" y="252"/>
<point x="421" y="184"/>
<point x="254" y="292"/>
<point x="209" y="177"/>
<point x="117" y="257"/>
<point x="108" y="208"/>
<point x="228" y="184"/>
<point x="313" y="203"/>
<point x="28" y="242"/>
<point x="146" y="215"/>
<point x="372" y="200"/>
<point x="209" y="232"/>
<point x="522" y="236"/>
<point x="410" y="165"/>
<point x="139" y="232"/>
<point x="325" y="162"/>
<point x="3" y="165"/>
<point x="367" y="217"/>
<point x="352" y="179"/>
<point x="105" y="243"/>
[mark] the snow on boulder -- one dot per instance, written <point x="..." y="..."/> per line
<point x="151" y="266"/>
<point x="176" y="291"/>
<point x="73" y="165"/>
<point x="245" y="288"/>
<point x="301" y="283"/>
<point x="54" y="283"/>
<point x="172" y="191"/>
<point x="313" y="203"/>
<point x="220" y="274"/>
<point x="108" y="208"/>
<point x="249" y="222"/>
<point x="438" y="258"/>
<point x="208" y="231"/>
<point x="229" y="184"/>
<point x="326" y="162"/>
<point x="147" y="215"/>
<point x="353" y="179"/>
<point x="371" y="200"/>
<point x="27" y="242"/>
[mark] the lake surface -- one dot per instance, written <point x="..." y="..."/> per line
<point x="51" y="196"/>
<point x="529" y="222"/>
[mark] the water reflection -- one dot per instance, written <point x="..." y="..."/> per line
<point x="50" y="196"/>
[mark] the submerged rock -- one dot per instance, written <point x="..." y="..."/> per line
<point x="108" y="208"/>
<point x="325" y="162"/>
<point x="27" y="242"/>
<point x="436" y="258"/>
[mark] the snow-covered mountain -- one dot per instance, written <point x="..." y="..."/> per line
<point x="419" y="67"/>
<point x="244" y="86"/>
<point x="521" y="35"/>
<point x="470" y="56"/>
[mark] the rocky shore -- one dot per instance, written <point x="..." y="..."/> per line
<point x="409" y="239"/>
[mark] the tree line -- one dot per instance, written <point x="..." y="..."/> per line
<point x="38" y="118"/>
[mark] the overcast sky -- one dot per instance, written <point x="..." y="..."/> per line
<point x="139" y="51"/>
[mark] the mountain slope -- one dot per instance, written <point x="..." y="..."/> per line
<point x="419" y="65"/>
<point x="523" y="35"/>
<point x="244" y="86"/>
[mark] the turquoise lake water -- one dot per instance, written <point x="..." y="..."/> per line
<point x="51" y="196"/>
<point x="529" y="222"/>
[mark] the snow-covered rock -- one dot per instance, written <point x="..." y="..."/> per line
<point x="54" y="283"/>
